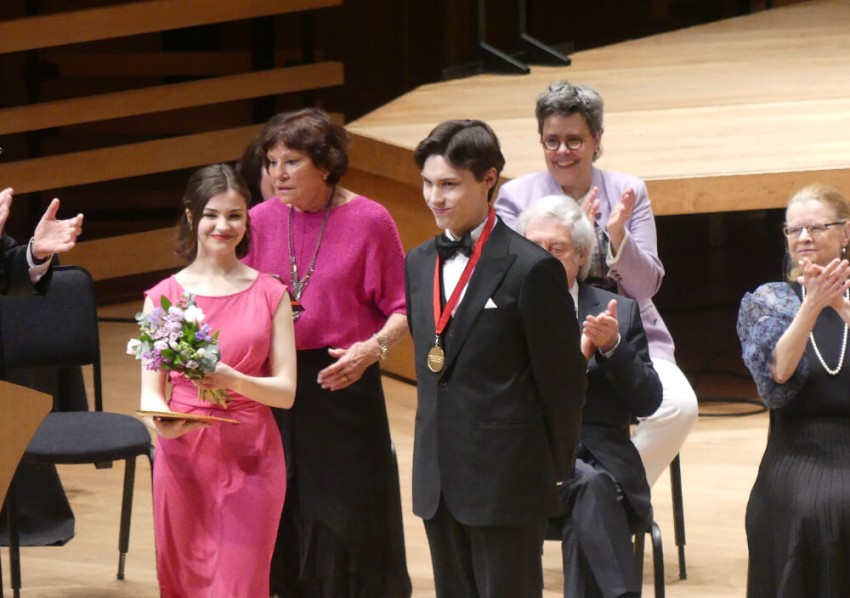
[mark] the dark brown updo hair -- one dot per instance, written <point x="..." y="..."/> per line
<point x="204" y="184"/>
<point x="309" y="130"/>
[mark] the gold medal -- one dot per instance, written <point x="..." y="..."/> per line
<point x="436" y="359"/>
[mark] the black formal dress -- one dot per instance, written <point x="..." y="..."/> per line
<point x="798" y="515"/>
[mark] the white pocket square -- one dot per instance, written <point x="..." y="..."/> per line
<point x="490" y="304"/>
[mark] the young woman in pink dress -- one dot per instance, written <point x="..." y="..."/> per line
<point x="218" y="488"/>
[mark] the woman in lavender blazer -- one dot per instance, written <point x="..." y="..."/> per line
<point x="569" y="120"/>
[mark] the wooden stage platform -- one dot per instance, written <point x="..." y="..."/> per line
<point x="732" y="115"/>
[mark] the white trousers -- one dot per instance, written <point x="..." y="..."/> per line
<point x="660" y="436"/>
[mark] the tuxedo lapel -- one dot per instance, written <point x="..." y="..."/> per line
<point x="588" y="302"/>
<point x="488" y="275"/>
<point x="424" y="305"/>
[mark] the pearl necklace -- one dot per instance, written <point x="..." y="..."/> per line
<point x="837" y="369"/>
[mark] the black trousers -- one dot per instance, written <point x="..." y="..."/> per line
<point x="597" y="537"/>
<point x="484" y="561"/>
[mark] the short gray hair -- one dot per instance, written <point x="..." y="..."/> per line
<point x="562" y="98"/>
<point x="566" y="212"/>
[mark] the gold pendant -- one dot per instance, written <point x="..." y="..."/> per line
<point x="436" y="359"/>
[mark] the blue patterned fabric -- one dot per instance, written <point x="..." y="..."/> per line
<point x="763" y="317"/>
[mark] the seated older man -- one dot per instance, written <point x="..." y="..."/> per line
<point x="608" y="499"/>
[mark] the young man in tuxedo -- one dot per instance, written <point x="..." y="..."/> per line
<point x="500" y="376"/>
<point x="608" y="499"/>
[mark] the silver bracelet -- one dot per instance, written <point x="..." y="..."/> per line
<point x="382" y="343"/>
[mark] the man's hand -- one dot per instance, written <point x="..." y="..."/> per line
<point x="53" y="235"/>
<point x="602" y="330"/>
<point x="5" y="205"/>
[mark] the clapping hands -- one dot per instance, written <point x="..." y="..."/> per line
<point x="600" y="332"/>
<point x="825" y="285"/>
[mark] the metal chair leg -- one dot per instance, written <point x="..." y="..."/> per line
<point x="678" y="514"/>
<point x="638" y="554"/>
<point x="657" y="560"/>
<point x="126" y="511"/>
<point x="14" y="539"/>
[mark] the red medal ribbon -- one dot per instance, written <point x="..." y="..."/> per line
<point x="442" y="319"/>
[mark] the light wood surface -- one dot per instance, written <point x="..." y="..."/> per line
<point x="21" y="412"/>
<point x="134" y="18"/>
<point x="719" y="464"/>
<point x="732" y="115"/>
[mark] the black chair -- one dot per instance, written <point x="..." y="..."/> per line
<point x="678" y="514"/>
<point x="655" y="534"/>
<point x="556" y="524"/>
<point x="657" y="557"/>
<point x="60" y="329"/>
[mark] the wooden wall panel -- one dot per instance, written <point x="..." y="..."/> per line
<point x="170" y="97"/>
<point x="134" y="18"/>
<point x="126" y="255"/>
<point x="80" y="168"/>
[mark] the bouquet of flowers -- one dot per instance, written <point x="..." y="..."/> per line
<point x="174" y="337"/>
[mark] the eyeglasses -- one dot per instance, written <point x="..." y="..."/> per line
<point x="814" y="230"/>
<point x="553" y="144"/>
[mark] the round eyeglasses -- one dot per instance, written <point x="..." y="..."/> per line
<point x="814" y="230"/>
<point x="553" y="144"/>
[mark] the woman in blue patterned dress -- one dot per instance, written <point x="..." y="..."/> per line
<point x="794" y="340"/>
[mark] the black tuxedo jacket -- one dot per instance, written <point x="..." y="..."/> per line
<point x="618" y="388"/>
<point x="499" y="424"/>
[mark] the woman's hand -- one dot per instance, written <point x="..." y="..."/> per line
<point x="825" y="285"/>
<point x="224" y="377"/>
<point x="590" y="205"/>
<point x="350" y="364"/>
<point x="620" y="215"/>
<point x="174" y="428"/>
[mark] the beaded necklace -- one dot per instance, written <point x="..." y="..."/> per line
<point x="297" y="285"/>
<point x="831" y="372"/>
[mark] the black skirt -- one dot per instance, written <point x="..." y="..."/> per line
<point x="343" y="498"/>
<point x="798" y="515"/>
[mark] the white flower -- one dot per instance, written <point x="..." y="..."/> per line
<point x="193" y="314"/>
<point x="160" y="345"/>
<point x="133" y="346"/>
<point x="199" y="354"/>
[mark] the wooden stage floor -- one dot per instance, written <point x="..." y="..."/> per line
<point x="732" y="115"/>
<point x="719" y="464"/>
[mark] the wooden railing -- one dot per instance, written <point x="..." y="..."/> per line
<point x="206" y="115"/>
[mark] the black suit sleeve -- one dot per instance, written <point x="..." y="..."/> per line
<point x="558" y="366"/>
<point x="14" y="270"/>
<point x="630" y="367"/>
<point x="407" y="298"/>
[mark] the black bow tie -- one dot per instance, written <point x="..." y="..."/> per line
<point x="446" y="248"/>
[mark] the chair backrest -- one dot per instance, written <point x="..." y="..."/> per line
<point x="56" y="329"/>
<point x="21" y="412"/>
